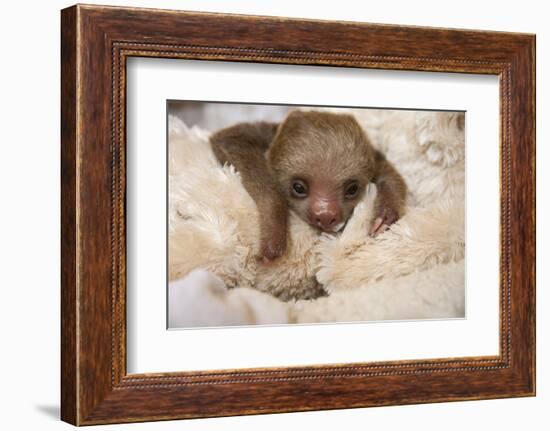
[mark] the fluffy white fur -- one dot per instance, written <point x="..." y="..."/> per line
<point x="414" y="270"/>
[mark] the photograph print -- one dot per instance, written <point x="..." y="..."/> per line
<point x="285" y="214"/>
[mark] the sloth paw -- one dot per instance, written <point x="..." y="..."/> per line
<point x="386" y="216"/>
<point x="273" y="247"/>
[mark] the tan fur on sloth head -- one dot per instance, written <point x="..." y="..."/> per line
<point x="323" y="162"/>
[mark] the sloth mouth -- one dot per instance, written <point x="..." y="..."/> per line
<point x="333" y="230"/>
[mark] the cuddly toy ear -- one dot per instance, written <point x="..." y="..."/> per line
<point x="441" y="137"/>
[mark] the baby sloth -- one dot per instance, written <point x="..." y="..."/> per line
<point x="317" y="164"/>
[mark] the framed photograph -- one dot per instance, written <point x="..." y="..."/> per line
<point x="263" y="214"/>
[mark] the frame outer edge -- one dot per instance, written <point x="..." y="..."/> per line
<point x="523" y="183"/>
<point x="531" y="83"/>
<point x="532" y="101"/>
<point x="69" y="411"/>
<point x="533" y="54"/>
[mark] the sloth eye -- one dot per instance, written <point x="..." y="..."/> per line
<point x="351" y="190"/>
<point x="299" y="189"/>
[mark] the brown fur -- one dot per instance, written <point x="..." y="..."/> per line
<point x="328" y="154"/>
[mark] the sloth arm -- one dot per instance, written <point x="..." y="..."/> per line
<point x="392" y="192"/>
<point x="244" y="146"/>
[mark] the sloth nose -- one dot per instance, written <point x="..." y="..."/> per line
<point x="326" y="220"/>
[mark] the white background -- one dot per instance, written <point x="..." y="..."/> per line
<point x="29" y="229"/>
<point x="151" y="348"/>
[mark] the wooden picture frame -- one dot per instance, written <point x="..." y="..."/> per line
<point x="95" y="43"/>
